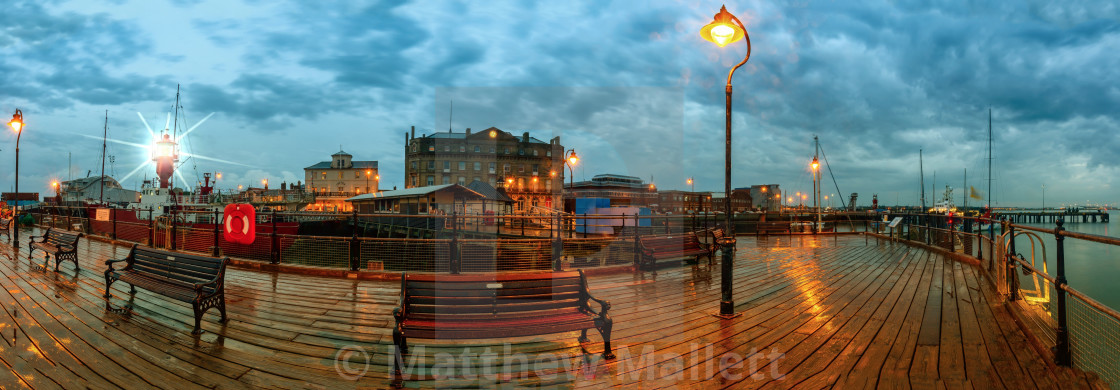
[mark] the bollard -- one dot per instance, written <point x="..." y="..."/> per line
<point x="1062" y="356"/>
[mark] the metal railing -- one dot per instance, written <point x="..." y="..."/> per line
<point x="1084" y="333"/>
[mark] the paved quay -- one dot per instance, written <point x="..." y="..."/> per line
<point x="816" y="312"/>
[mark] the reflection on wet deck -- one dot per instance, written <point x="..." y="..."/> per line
<point x="817" y="312"/>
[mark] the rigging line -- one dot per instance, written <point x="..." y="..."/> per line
<point x="830" y="172"/>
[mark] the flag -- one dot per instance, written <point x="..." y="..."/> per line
<point x="975" y="194"/>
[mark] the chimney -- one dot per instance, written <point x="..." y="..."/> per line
<point x="525" y="137"/>
<point x="413" y="131"/>
<point x="468" y="131"/>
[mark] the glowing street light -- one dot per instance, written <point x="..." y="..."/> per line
<point x="264" y="182"/>
<point x="17" y="124"/>
<point x="722" y="32"/>
<point x="368" y="173"/>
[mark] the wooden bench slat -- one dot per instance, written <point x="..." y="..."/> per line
<point x="507" y="284"/>
<point x="503" y="292"/>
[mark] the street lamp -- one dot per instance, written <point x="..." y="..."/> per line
<point x="692" y="183"/>
<point x="816" y="165"/>
<point x="17" y="124"/>
<point x="264" y="182"/>
<point x="368" y="173"/>
<point x="57" y="195"/>
<point x="570" y="160"/>
<point x="722" y="32"/>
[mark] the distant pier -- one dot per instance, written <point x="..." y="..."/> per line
<point x="1052" y="216"/>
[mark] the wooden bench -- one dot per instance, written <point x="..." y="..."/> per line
<point x="653" y="249"/>
<point x="493" y="306"/>
<point x="6" y="226"/>
<point x="63" y="245"/>
<point x="198" y="280"/>
<point x="771" y="227"/>
<point x="713" y="244"/>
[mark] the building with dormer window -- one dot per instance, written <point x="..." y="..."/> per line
<point x="334" y="181"/>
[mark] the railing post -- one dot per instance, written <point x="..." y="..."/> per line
<point x="455" y="255"/>
<point x="355" y="248"/>
<point x="584" y="225"/>
<point x="980" y="240"/>
<point x="557" y="252"/>
<point x="151" y="227"/>
<point x="174" y="229"/>
<point x="1062" y="355"/>
<point x="273" y="243"/>
<point x="952" y="245"/>
<point x="112" y="217"/>
<point x="217" y="233"/>
<point x="1013" y="278"/>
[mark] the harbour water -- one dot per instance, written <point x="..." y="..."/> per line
<point x="1091" y="267"/>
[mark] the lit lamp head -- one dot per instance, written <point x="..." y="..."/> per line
<point x="165" y="148"/>
<point x="815" y="164"/>
<point x="689" y="181"/>
<point x="722" y="30"/>
<point x="369" y="172"/>
<point x="573" y="158"/>
<point x="17" y="121"/>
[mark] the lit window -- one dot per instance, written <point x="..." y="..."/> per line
<point x="431" y="148"/>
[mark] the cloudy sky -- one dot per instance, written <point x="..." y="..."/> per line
<point x="630" y="85"/>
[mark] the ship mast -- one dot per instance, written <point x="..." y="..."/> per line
<point x="922" y="179"/>
<point x="104" y="137"/>
<point x="989" y="158"/>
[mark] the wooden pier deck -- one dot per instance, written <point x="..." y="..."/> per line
<point x="815" y="313"/>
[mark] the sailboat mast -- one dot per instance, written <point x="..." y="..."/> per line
<point x="104" y="137"/>
<point x="922" y="179"/>
<point x="989" y="158"/>
<point x="965" y="189"/>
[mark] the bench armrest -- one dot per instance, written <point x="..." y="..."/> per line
<point x="110" y="263"/>
<point x="604" y="306"/>
<point x="217" y="278"/>
<point x="66" y="247"/>
<point x="41" y="238"/>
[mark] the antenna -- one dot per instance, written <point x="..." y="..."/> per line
<point x="450" y="114"/>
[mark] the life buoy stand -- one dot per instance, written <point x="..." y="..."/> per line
<point x="240" y="224"/>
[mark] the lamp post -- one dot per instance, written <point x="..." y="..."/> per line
<point x="17" y="124"/>
<point x="767" y="197"/>
<point x="722" y="32"/>
<point x="368" y="173"/>
<point x="816" y="165"/>
<point x="376" y="183"/>
<point x="692" y="183"/>
<point x="570" y="160"/>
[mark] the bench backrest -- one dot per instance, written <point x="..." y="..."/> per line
<point x="485" y="296"/>
<point x="717" y="234"/>
<point x="57" y="237"/>
<point x="5" y="223"/>
<point x="179" y="267"/>
<point x="687" y="240"/>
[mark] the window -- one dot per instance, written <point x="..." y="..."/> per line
<point x="447" y="166"/>
<point x="431" y="148"/>
<point x="520" y="151"/>
<point x="492" y="167"/>
<point x="340" y="176"/>
<point x="431" y="164"/>
<point x="462" y="148"/>
<point x="505" y="167"/>
<point x="447" y="148"/>
<point x="477" y="148"/>
<point x="324" y="175"/>
<point x="462" y="180"/>
<point x="414" y="181"/>
<point x="413" y="146"/>
<point x="493" y="182"/>
<point x="520" y="168"/>
<point x="548" y="153"/>
<point x="357" y="175"/>
<point x="431" y="180"/>
<point x="507" y="150"/>
<point x="491" y="149"/>
<point x="413" y="165"/>
<point x="447" y="180"/>
<point x="476" y="178"/>
<point x="534" y="154"/>
<point x="535" y="169"/>
<point x="477" y="166"/>
<point x="462" y="165"/>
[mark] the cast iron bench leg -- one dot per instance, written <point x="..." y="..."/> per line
<point x="605" y="325"/>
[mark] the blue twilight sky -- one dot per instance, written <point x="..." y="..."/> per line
<point x="630" y="85"/>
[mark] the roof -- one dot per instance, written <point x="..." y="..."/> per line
<point x="357" y="165"/>
<point x="341" y="153"/>
<point x="414" y="192"/>
<point x="453" y="135"/>
<point x="488" y="192"/>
